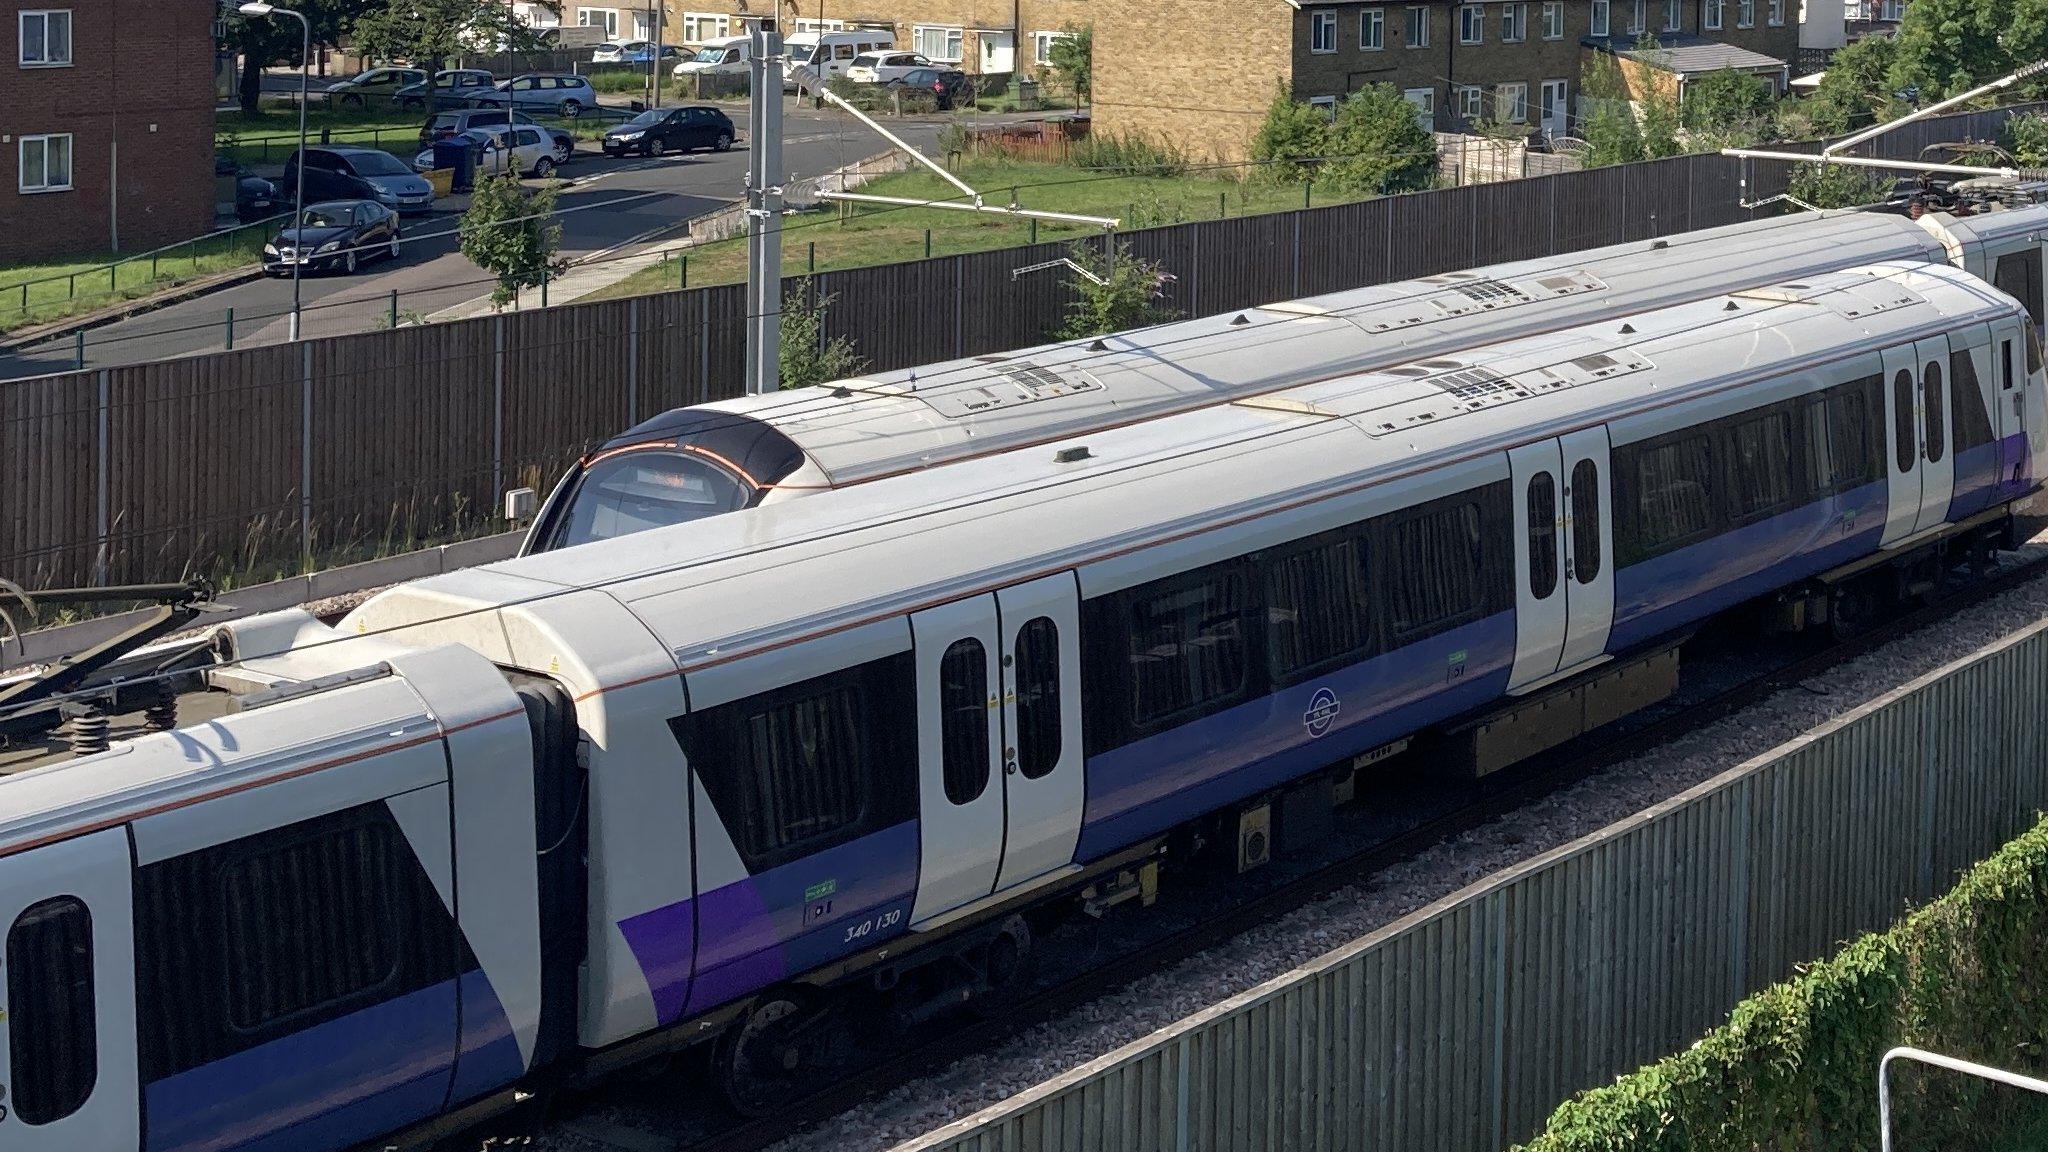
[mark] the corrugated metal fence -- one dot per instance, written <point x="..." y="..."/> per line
<point x="233" y="459"/>
<point x="1462" y="1026"/>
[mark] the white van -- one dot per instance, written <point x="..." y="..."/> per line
<point x="725" y="56"/>
<point x="831" y="53"/>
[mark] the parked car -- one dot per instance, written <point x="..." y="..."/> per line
<point x="446" y="124"/>
<point x="334" y="237"/>
<point x="725" y="56"/>
<point x="339" y="173"/>
<point x="947" y="85"/>
<point x="378" y="85"/>
<point x="452" y="86"/>
<point x="259" y="199"/>
<point x="830" y="53"/>
<point x="882" y="67"/>
<point x="551" y="92"/>
<point x="670" y="54"/>
<point x="658" y="130"/>
<point x="608" y="52"/>
<point x="529" y="153"/>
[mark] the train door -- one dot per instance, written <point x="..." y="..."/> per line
<point x="1536" y="471"/>
<point x="959" y="743"/>
<point x="1902" y="439"/>
<point x="1041" y="724"/>
<point x="2009" y="406"/>
<point x="1588" y="546"/>
<point x="1937" y="463"/>
<point x="67" y="1036"/>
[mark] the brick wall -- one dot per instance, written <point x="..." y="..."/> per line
<point x="1199" y="73"/>
<point x="138" y="101"/>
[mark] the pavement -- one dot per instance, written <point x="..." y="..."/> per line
<point x="609" y="208"/>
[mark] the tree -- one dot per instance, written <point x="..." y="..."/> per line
<point x="1116" y="294"/>
<point x="1378" y="145"/>
<point x="2026" y="137"/>
<point x="1073" y="58"/>
<point x="1612" y="134"/>
<point x="1657" y="110"/>
<point x="509" y="231"/>
<point x="1856" y="90"/>
<point x="262" y="41"/>
<point x="1292" y="139"/>
<point x="1947" y="47"/>
<point x="808" y="357"/>
<point x="1732" y="107"/>
<point x="1839" y="186"/>
<point x="433" y="32"/>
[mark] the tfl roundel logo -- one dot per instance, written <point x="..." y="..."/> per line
<point x="1322" y="711"/>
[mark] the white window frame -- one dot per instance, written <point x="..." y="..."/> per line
<point x="1893" y="10"/>
<point x="953" y="39"/>
<point x="1424" y="100"/>
<point x="1745" y="13"/>
<point x="694" y="26"/>
<point x="1322" y="32"/>
<point x="1041" y="46"/>
<point x="1776" y="14"/>
<point x="1553" y="19"/>
<point x="1372" y="30"/>
<point x="43" y="142"/>
<point x="1601" y="23"/>
<point x="1674" y="15"/>
<point x="1514" y="22"/>
<point x="1471" y="23"/>
<point x="608" y="20"/>
<point x="1511" y="103"/>
<point x="1417" y="20"/>
<point x="1711" y="14"/>
<point x="1327" y="105"/>
<point x="1468" y="101"/>
<point x="45" y="15"/>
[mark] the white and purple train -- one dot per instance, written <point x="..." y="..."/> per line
<point x="708" y="782"/>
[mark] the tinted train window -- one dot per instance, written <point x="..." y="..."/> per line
<point x="1187" y="645"/>
<point x="1542" y="535"/>
<point x="1586" y="521"/>
<point x="1930" y="396"/>
<point x="1760" y="460"/>
<point x="308" y="925"/>
<point x="2018" y="275"/>
<point x="1038" y="697"/>
<point x="1970" y="421"/>
<point x="52" y="1042"/>
<point x="1318" y="607"/>
<point x="1904" y="449"/>
<point x="1674" y="503"/>
<point x="812" y="765"/>
<point x="963" y="720"/>
<point x="1436" y="566"/>
<point x="1856" y="433"/>
<point x="636" y="491"/>
<point x="2005" y="366"/>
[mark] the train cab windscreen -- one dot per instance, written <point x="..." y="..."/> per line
<point x="635" y="491"/>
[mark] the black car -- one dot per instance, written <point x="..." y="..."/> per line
<point x="945" y="84"/>
<point x="658" y="130"/>
<point x="259" y="199"/>
<point x="334" y="237"/>
<point x="337" y="173"/>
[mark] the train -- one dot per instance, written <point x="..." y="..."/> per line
<point x="709" y="459"/>
<point x="717" y="785"/>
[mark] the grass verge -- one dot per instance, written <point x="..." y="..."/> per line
<point x="39" y="293"/>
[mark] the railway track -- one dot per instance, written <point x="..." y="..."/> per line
<point x="585" y="1126"/>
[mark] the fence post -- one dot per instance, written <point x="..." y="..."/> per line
<point x="104" y="495"/>
<point x="306" y="456"/>
<point x="683" y="273"/>
<point x="811" y="262"/>
<point x="927" y="243"/>
<point x="498" y="407"/>
<point x="113" y="281"/>
<point x="394" y="309"/>
<point x="1308" y="193"/>
<point x="1222" y="205"/>
<point x="543" y="286"/>
<point x="79" y="341"/>
<point x="230" y="344"/>
<point x="1034" y="229"/>
<point x="632" y="361"/>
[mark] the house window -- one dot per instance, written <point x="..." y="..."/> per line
<point x="1511" y="103"/>
<point x="1418" y="27"/>
<point x="1602" y="10"/>
<point x="46" y="38"/>
<point x="1327" y="105"/>
<point x="1322" y="32"/>
<point x="1710" y="14"/>
<point x="1893" y="10"/>
<point x="1472" y="24"/>
<point x="1041" y="45"/>
<point x="46" y="163"/>
<point x="1469" y="101"/>
<point x="605" y="18"/>
<point x="1553" y="19"/>
<point x="1777" y="11"/>
<point x="1514" y="22"/>
<point x="1424" y="100"/>
<point x="701" y="26"/>
<point x="1372" y="29"/>
<point x="1745" y="13"/>
<point x="1638" y="20"/>
<point x="1674" y="15"/>
<point x="936" y="43"/>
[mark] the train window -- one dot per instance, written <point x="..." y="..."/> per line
<point x="1674" y="504"/>
<point x="2018" y="275"/>
<point x="809" y="766"/>
<point x="635" y="491"/>
<point x="2005" y="366"/>
<point x="1038" y="697"/>
<point x="1586" y="521"/>
<point x="1542" y="535"/>
<point x="1436" y="562"/>
<point x="1318" y="607"/>
<point x="307" y="925"/>
<point x="1970" y="420"/>
<point x="1904" y="449"/>
<point x="963" y="720"/>
<point x="1855" y="433"/>
<point x="1930" y="396"/>
<point x="52" y="1039"/>
<point x="1188" y="645"/>
<point x="1761" y="478"/>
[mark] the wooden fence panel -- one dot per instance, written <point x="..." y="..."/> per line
<point x="49" y="521"/>
<point x="1352" y="248"/>
<point x="566" y="377"/>
<point x="1433" y="232"/>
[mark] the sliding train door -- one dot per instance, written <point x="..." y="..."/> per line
<point x="1588" y="546"/>
<point x="1041" y="715"/>
<point x="959" y="746"/>
<point x="1564" y="543"/>
<point x="67" y="1023"/>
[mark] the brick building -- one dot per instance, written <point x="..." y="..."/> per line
<point x="1515" y="62"/>
<point x="106" y="125"/>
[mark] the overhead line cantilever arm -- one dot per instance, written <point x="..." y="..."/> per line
<point x="1873" y="133"/>
<point x="824" y="93"/>
<point x="956" y="206"/>
<point x="1869" y="162"/>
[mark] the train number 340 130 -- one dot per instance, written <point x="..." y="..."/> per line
<point x="889" y="919"/>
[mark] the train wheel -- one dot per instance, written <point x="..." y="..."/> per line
<point x="760" y="1064"/>
<point x="1006" y="966"/>
<point x="1856" y="607"/>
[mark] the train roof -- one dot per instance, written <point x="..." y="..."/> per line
<point x="1282" y="465"/>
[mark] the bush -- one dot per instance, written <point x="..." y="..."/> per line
<point x="1132" y="155"/>
<point x="1795" y="1066"/>
<point x="1377" y="145"/>
<point x="1131" y="294"/>
<point x="808" y="357"/>
<point x="1839" y="186"/>
<point x="2026" y="137"/>
<point x="1293" y="138"/>
<point x="1612" y="134"/>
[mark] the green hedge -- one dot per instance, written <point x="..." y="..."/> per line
<point x="1795" y="1067"/>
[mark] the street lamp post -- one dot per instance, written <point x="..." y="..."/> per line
<point x="258" y="8"/>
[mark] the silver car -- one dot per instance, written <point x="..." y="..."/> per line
<point x="544" y="92"/>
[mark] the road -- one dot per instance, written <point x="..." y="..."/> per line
<point x="607" y="206"/>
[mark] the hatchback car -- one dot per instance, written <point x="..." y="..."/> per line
<point x="452" y="86"/>
<point x="338" y="173"/>
<point x="658" y="130"/>
<point x="609" y="53"/>
<point x="947" y="85"/>
<point x="446" y="124"/>
<point x="882" y="67"/>
<point x="528" y="153"/>
<point x="334" y="236"/>
<point x="547" y="92"/>
<point x="376" y="86"/>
